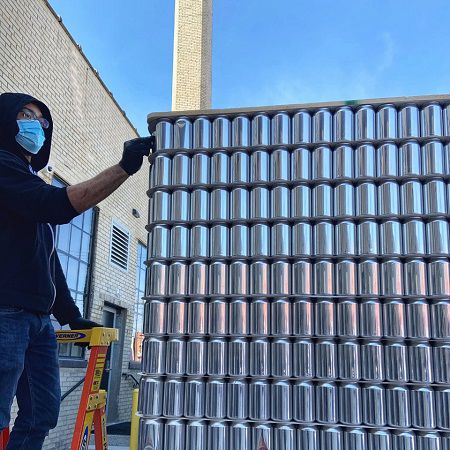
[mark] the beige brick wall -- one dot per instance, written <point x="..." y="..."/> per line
<point x="38" y="56"/>
<point x="191" y="86"/>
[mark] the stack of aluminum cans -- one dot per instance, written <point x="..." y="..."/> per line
<point x="298" y="291"/>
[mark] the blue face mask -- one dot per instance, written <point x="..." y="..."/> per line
<point x="30" y="136"/>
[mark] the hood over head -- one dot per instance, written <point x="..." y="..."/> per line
<point x="10" y="105"/>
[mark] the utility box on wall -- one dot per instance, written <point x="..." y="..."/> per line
<point x="298" y="292"/>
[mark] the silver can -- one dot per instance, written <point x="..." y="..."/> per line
<point x="350" y="404"/>
<point x="322" y="163"/>
<point x="217" y="357"/>
<point x="239" y="204"/>
<point x="398" y="407"/>
<point x="323" y="278"/>
<point x="418" y="319"/>
<point x="301" y="239"/>
<point x="370" y="315"/>
<point x="216" y="399"/>
<point x="347" y="318"/>
<point x="308" y="438"/>
<point x="301" y="164"/>
<point x="173" y="398"/>
<point x="262" y="436"/>
<point x="160" y="171"/>
<point x="155" y="317"/>
<point x="239" y="278"/>
<point x="301" y="202"/>
<point x="446" y="124"/>
<point x="301" y="278"/>
<point x="440" y="319"/>
<point x="345" y="277"/>
<point x="200" y="205"/>
<point x="391" y="238"/>
<point x="237" y="399"/>
<point x="259" y="399"/>
<point x="281" y="360"/>
<point x="197" y="317"/>
<point x="200" y="168"/>
<point x="181" y="169"/>
<point x="435" y="197"/>
<point x="394" y="317"/>
<point x="366" y="199"/>
<point x="387" y="122"/>
<point x="431" y="120"/>
<point x="302" y="314"/>
<point x="412" y="202"/>
<point x="441" y="354"/>
<point x="374" y="405"/>
<point x="343" y="125"/>
<point x="259" y="244"/>
<point x="178" y="279"/>
<point x="259" y="166"/>
<point x="408" y="119"/>
<point x="420" y="363"/>
<point x="372" y="361"/>
<point x="396" y="362"/>
<point x="176" y="357"/>
<point x="326" y="360"/>
<point x="281" y="317"/>
<point x="343" y="163"/>
<point x="429" y="441"/>
<point x="322" y="126"/>
<point x="202" y="133"/>
<point x="355" y="439"/>
<point x="238" y="357"/>
<point x="194" y="402"/>
<point x="414" y="237"/>
<point x="280" y="202"/>
<point x="159" y="236"/>
<point x="179" y="241"/>
<point x="331" y="438"/>
<point x="388" y="199"/>
<point x="280" y="165"/>
<point x="157" y="279"/>
<point x="259" y="358"/>
<point x="392" y="278"/>
<point x="403" y="439"/>
<point x="261" y="130"/>
<point x="280" y="278"/>
<point x="415" y="277"/>
<point x="180" y="206"/>
<point x="154" y="354"/>
<point x="368" y="238"/>
<point x="220" y="168"/>
<point x="303" y="402"/>
<point x="344" y="200"/>
<point x="442" y="408"/>
<point x="161" y="206"/>
<point x="240" y="435"/>
<point x="368" y="278"/>
<point x="259" y="317"/>
<point x="301" y="127"/>
<point x="219" y="241"/>
<point x="240" y="132"/>
<point x="365" y="161"/>
<point x="151" y="433"/>
<point x="365" y="123"/>
<point x="174" y="435"/>
<point x="218" y="278"/>
<point x="281" y="240"/>
<point x="239" y="317"/>
<point x="164" y="135"/>
<point x="422" y="407"/>
<point x="199" y="247"/>
<point x="410" y="159"/>
<point x="195" y="435"/>
<point x="280" y="129"/>
<point x="217" y="436"/>
<point x="218" y="317"/>
<point x="303" y="359"/>
<point x="239" y="241"/>
<point x="281" y="401"/>
<point x="326" y="404"/>
<point x="322" y="200"/>
<point x="387" y="160"/>
<point x="259" y="203"/>
<point x="345" y="238"/>
<point x="196" y="357"/>
<point x="284" y="437"/>
<point x="219" y="204"/>
<point x="433" y="158"/>
<point x="239" y="167"/>
<point x="349" y="360"/>
<point x="221" y="132"/>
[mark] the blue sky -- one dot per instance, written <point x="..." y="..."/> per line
<point x="268" y="52"/>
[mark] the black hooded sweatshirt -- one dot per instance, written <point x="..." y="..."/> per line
<point x="31" y="277"/>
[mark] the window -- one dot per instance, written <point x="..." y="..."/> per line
<point x="74" y="246"/>
<point x="138" y="325"/>
<point x="119" y="246"/>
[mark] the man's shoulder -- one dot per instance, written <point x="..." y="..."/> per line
<point x="12" y="160"/>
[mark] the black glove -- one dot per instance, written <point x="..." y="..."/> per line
<point x="82" y="324"/>
<point x="134" y="152"/>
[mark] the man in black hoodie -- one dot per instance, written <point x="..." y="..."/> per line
<point x="32" y="283"/>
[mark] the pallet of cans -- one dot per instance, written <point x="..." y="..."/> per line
<point x="298" y="282"/>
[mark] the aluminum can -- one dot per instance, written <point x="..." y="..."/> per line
<point x="259" y="203"/>
<point x="280" y="165"/>
<point x="344" y="200"/>
<point x="420" y="363"/>
<point x="366" y="199"/>
<point x="441" y="353"/>
<point x="239" y="204"/>
<point x="350" y="404"/>
<point x="343" y="163"/>
<point x="345" y="239"/>
<point x="301" y="164"/>
<point x="431" y="120"/>
<point x="303" y="402"/>
<point x="368" y="238"/>
<point x="322" y="126"/>
<point x="387" y="160"/>
<point x="355" y="439"/>
<point x="220" y="168"/>
<point x="280" y="278"/>
<point x="433" y="158"/>
<point x="259" y="358"/>
<point x="259" y="400"/>
<point x="202" y="133"/>
<point x="398" y="407"/>
<point x="409" y="125"/>
<point x="259" y="278"/>
<point x="365" y="123"/>
<point x="239" y="278"/>
<point x="164" y="135"/>
<point x="322" y="200"/>
<point x="196" y="435"/>
<point x="150" y="396"/>
<point x="326" y="403"/>
<point x="281" y="400"/>
<point x="239" y="241"/>
<point x="322" y="163"/>
<point x="174" y="435"/>
<point x="259" y="166"/>
<point x="197" y="317"/>
<point x="200" y="168"/>
<point x="308" y="438"/>
<point x="370" y="315"/>
<point x="181" y="169"/>
<point x="387" y="122"/>
<point x="240" y="435"/>
<point x="194" y="402"/>
<point x="391" y="238"/>
<point x="259" y="245"/>
<point x="216" y="399"/>
<point x="261" y="130"/>
<point x="284" y="437"/>
<point x="438" y="277"/>
<point x="217" y="436"/>
<point x="343" y="125"/>
<point x="217" y="357"/>
<point x="218" y="317"/>
<point x="302" y="313"/>
<point x="155" y="317"/>
<point x="394" y="317"/>
<point x="280" y="202"/>
<point x="372" y="361"/>
<point x="281" y="317"/>
<point x="410" y="159"/>
<point x="446" y="123"/>
<point x="218" y="278"/>
<point x="348" y="360"/>
<point x="196" y="357"/>
<point x="301" y="239"/>
<point x="301" y="127"/>
<point x="262" y="436"/>
<point x="331" y="438"/>
<point x="221" y="132"/>
<point x="199" y="247"/>
<point x="240" y="131"/>
<point x="403" y="440"/>
<point x="173" y="398"/>
<point x="281" y="361"/>
<point x="392" y="278"/>
<point x="281" y="240"/>
<point x="396" y="362"/>
<point x="151" y="434"/>
<point x="280" y="129"/>
<point x="415" y="277"/>
<point x="219" y="241"/>
<point x="418" y="319"/>
<point x="303" y="359"/>
<point x="176" y="356"/>
<point x="388" y="199"/>
<point x="239" y="317"/>
<point x="237" y="395"/>
<point x="422" y="407"/>
<point x="301" y="277"/>
<point x="412" y="202"/>
<point x="179" y="241"/>
<point x="160" y="242"/>
<point x="200" y="205"/>
<point x="178" y="277"/>
<point x="365" y="162"/>
<point x="238" y="357"/>
<point x="160" y="171"/>
<point x="301" y="202"/>
<point x="323" y="278"/>
<point x="368" y="277"/>
<point x="347" y="318"/>
<point x="443" y="408"/>
<point x="239" y="167"/>
<point x="326" y="360"/>
<point x="259" y="317"/>
<point x="414" y="237"/>
<point x="161" y="206"/>
<point x="345" y="277"/>
<point x="435" y="197"/>
<point x="374" y="405"/>
<point x="440" y="319"/>
<point x="220" y="204"/>
<point x="180" y="206"/>
<point x="157" y="282"/>
<point x="429" y="441"/>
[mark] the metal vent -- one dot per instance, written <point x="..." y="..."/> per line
<point x="120" y="246"/>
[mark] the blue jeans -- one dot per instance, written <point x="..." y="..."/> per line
<point x="28" y="370"/>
